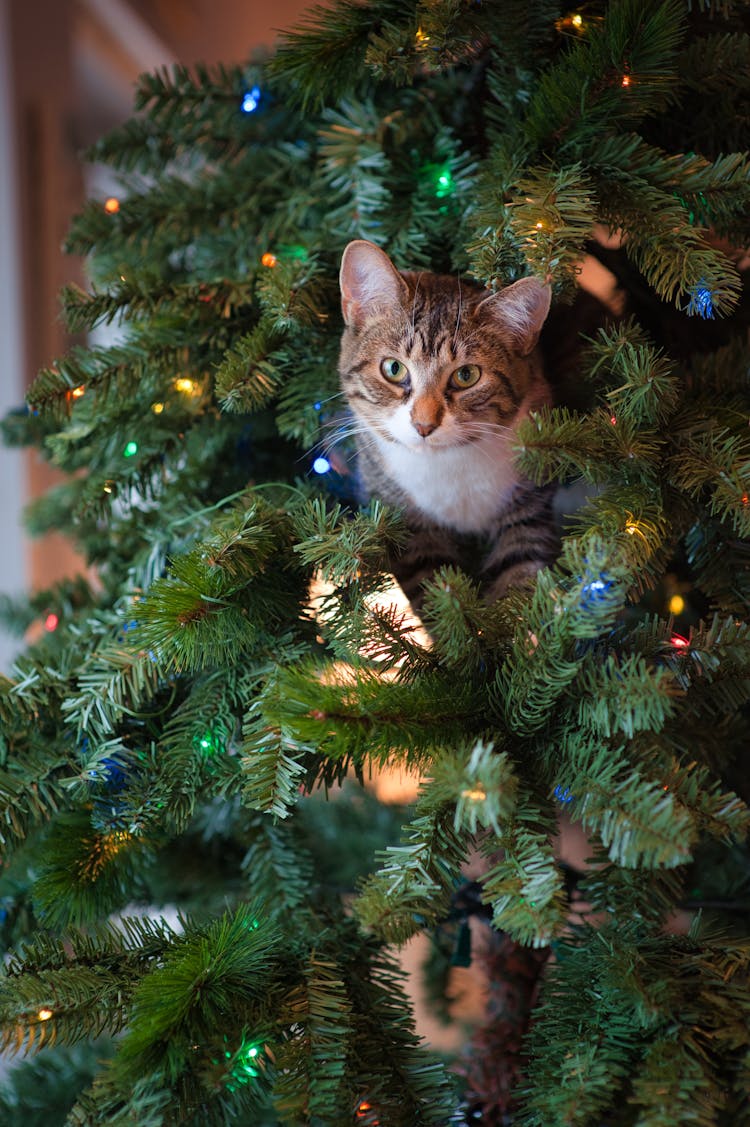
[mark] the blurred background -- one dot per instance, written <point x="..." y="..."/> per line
<point x="67" y="70"/>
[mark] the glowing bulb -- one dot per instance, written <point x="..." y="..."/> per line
<point x="269" y="259"/>
<point x="77" y="392"/>
<point x="112" y="205"/>
<point x="676" y="604"/>
<point x="130" y="450"/>
<point x="577" y="20"/>
<point x="157" y="408"/>
<point x="701" y="301"/>
<point x="108" y="487"/>
<point x="186" y="386"/>
<point x="476" y="794"/>
<point x="321" y="465"/>
<point x="421" y="38"/>
<point x="613" y="420"/>
<point x="678" y="641"/>
<point x="745" y="499"/>
<point x="631" y="528"/>
<point x="540" y="226"/>
<point x="51" y="622"/>
<point x="626" y="80"/>
<point x="251" y="100"/>
<point x="44" y="1015"/>
<point x="444" y="183"/>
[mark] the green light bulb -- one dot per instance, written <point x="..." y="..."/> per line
<point x="130" y="449"/>
<point x="444" y="184"/>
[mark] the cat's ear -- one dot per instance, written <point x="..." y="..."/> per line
<point x="521" y="308"/>
<point x="369" y="282"/>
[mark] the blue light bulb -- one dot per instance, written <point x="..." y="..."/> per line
<point x="701" y="301"/>
<point x="321" y="465"/>
<point x="251" y="100"/>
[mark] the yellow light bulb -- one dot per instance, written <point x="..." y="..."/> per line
<point x="44" y="1015"/>
<point x="577" y="20"/>
<point x="676" y="604"/>
<point x="185" y="385"/>
<point x="157" y="408"/>
<point x="631" y="528"/>
<point x="476" y="794"/>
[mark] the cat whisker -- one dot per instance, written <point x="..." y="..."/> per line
<point x="484" y="427"/>
<point x="336" y="395"/>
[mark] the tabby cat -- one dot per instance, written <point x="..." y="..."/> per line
<point x="437" y="373"/>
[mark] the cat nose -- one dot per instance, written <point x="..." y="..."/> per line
<point x="424" y="428"/>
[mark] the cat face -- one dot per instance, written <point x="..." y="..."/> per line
<point x="431" y="362"/>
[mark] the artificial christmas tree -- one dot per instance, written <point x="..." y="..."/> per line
<point x="170" y="741"/>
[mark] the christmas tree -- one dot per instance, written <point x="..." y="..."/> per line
<point x="201" y="896"/>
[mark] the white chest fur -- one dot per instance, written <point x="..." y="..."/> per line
<point x="459" y="487"/>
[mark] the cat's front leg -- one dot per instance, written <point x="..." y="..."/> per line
<point x="524" y="540"/>
<point x="428" y="548"/>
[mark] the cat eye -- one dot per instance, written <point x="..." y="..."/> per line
<point x="393" y="370"/>
<point x="466" y="376"/>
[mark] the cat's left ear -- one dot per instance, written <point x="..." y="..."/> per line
<point x="369" y="282"/>
<point x="520" y="308"/>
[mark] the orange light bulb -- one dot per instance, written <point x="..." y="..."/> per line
<point x="112" y="205"/>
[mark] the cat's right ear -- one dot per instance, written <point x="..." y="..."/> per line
<point x="370" y="283"/>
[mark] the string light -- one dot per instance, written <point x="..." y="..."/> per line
<point x="625" y="80"/>
<point x="444" y="183"/>
<point x="157" y="408"/>
<point x="539" y="226"/>
<point x="701" y="301"/>
<point x="631" y="528"/>
<point x="269" y="259"/>
<point x="365" y="1111"/>
<point x="208" y="743"/>
<point x="77" y="392"/>
<point x="321" y="465"/>
<point x="592" y="593"/>
<point x="251" y="100"/>
<point x="112" y="205"/>
<point x="245" y="1068"/>
<point x="44" y="1015"/>
<point x="420" y="38"/>
<point x="51" y="622"/>
<point x="745" y="499"/>
<point x="130" y="450"/>
<point x="475" y="794"/>
<point x="562" y="794"/>
<point x="108" y="486"/>
<point x="676" y="604"/>
<point x="185" y="385"/>
<point x="678" y="642"/>
<point x="577" y="20"/>
<point x="613" y="420"/>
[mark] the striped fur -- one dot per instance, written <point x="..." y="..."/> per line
<point x="442" y="452"/>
